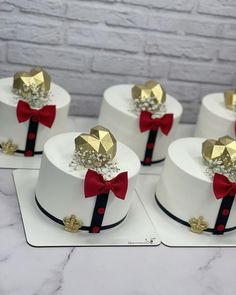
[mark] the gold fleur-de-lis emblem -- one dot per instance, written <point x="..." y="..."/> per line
<point x="198" y="225"/>
<point x="8" y="147"/>
<point x="72" y="224"/>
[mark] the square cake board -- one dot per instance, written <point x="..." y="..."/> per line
<point x="171" y="232"/>
<point x="136" y="230"/>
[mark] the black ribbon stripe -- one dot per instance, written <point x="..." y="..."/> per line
<point x="154" y="162"/>
<point x="223" y="215"/>
<point x="179" y="220"/>
<point x="85" y="228"/>
<point x="147" y="161"/>
<point x="98" y="212"/>
<point x="22" y="152"/>
<point x="31" y="137"/>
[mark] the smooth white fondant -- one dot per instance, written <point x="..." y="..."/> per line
<point x="60" y="189"/>
<point x="10" y="128"/>
<point x="214" y="119"/>
<point x="184" y="189"/>
<point x="116" y="113"/>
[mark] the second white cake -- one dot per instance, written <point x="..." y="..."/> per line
<point x="118" y="113"/>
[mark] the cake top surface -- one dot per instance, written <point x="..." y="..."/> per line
<point x="60" y="149"/>
<point x="186" y="154"/>
<point x="120" y="97"/>
<point x="58" y="96"/>
<point x="214" y="103"/>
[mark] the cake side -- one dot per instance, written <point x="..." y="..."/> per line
<point x="214" y="118"/>
<point x="60" y="189"/>
<point x="184" y="189"/>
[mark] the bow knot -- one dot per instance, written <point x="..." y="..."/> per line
<point x="146" y="122"/>
<point x="94" y="184"/>
<point x="46" y="115"/>
<point x="223" y="187"/>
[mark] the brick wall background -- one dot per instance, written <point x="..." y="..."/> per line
<point x="87" y="46"/>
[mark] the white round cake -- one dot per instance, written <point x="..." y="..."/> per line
<point x="215" y="119"/>
<point x="10" y="128"/>
<point x="184" y="190"/>
<point x="60" y="188"/>
<point x="116" y="113"/>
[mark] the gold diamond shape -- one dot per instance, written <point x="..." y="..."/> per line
<point x="100" y="140"/>
<point x="223" y="149"/>
<point x="37" y="79"/>
<point x="149" y="89"/>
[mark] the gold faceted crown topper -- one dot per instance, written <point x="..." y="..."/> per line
<point x="149" y="89"/>
<point x="223" y="149"/>
<point x="37" y="82"/>
<point x="99" y="146"/>
<point x="198" y="225"/>
<point x="230" y="99"/>
<point x="72" y="224"/>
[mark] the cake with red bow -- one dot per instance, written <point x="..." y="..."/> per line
<point x="198" y="185"/>
<point x="86" y="181"/>
<point x="143" y="117"/>
<point x="32" y="109"/>
<point x="217" y="115"/>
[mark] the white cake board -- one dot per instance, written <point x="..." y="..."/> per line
<point x="155" y="169"/>
<point x="136" y="230"/>
<point x="171" y="232"/>
<point x="19" y="161"/>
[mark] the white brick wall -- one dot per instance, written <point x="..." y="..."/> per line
<point x="87" y="46"/>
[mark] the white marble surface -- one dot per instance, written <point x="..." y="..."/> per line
<point x="25" y="270"/>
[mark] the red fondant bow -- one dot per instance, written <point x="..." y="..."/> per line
<point x="46" y="115"/>
<point x="94" y="184"/>
<point x="147" y="123"/>
<point x="222" y="187"/>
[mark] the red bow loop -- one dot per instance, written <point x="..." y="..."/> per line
<point x="222" y="187"/>
<point x="94" y="184"/>
<point x="46" y="115"/>
<point x="146" y="122"/>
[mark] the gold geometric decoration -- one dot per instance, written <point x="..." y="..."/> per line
<point x="35" y="83"/>
<point x="72" y="224"/>
<point x="223" y="149"/>
<point x="100" y="142"/>
<point x="230" y="99"/>
<point x="8" y="147"/>
<point x="149" y="89"/>
<point x="198" y="225"/>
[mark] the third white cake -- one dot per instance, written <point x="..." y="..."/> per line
<point x="217" y="116"/>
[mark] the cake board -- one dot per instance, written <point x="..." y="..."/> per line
<point x="172" y="233"/>
<point x="136" y="230"/>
